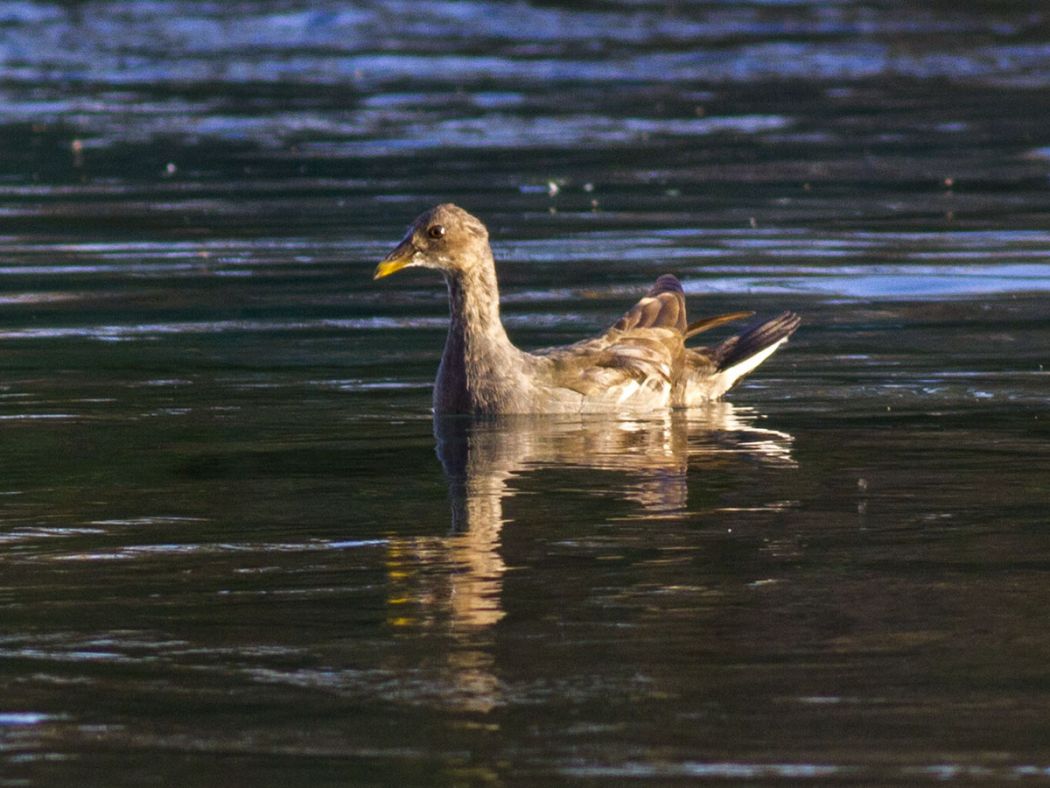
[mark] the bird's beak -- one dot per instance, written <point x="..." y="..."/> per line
<point x="396" y="260"/>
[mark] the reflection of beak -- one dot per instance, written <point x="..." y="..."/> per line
<point x="396" y="260"/>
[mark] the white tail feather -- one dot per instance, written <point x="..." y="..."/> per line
<point x="727" y="378"/>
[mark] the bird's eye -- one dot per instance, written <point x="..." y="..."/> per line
<point x="436" y="231"/>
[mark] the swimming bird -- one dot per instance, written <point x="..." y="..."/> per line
<point x="639" y="364"/>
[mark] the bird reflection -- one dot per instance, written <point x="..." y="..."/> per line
<point x="482" y="459"/>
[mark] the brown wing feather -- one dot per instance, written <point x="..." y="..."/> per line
<point x="609" y="360"/>
<point x="707" y="323"/>
<point x="662" y="307"/>
<point x="646" y="344"/>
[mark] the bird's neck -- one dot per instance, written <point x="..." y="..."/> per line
<point x="479" y="356"/>
<point x="475" y="328"/>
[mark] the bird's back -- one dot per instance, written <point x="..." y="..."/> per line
<point x="641" y="362"/>
<point x="636" y="364"/>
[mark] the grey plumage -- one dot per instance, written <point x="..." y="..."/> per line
<point x="639" y="364"/>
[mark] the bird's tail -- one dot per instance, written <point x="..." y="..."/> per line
<point x="737" y="356"/>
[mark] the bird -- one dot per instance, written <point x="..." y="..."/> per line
<point x="639" y="365"/>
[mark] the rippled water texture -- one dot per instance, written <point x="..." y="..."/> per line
<point x="235" y="546"/>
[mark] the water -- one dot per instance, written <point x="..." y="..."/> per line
<point x="238" y="549"/>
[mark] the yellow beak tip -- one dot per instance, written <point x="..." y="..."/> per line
<point x="388" y="267"/>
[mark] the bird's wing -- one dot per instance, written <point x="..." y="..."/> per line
<point x="662" y="307"/>
<point x="643" y="348"/>
<point x="644" y="356"/>
<point x="707" y="323"/>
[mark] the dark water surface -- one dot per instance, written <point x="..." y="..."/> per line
<point x="236" y="548"/>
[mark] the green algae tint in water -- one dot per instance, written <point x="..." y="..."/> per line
<point x="236" y="548"/>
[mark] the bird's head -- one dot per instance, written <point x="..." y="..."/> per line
<point x="446" y="238"/>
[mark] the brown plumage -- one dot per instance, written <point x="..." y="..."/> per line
<point x="639" y="364"/>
